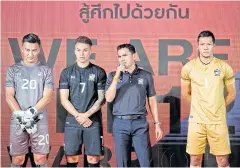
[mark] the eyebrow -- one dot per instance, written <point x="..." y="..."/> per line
<point x="206" y="43"/>
<point x="30" y="49"/>
<point x="82" y="49"/>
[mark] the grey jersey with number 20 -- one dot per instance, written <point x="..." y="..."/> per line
<point x="29" y="83"/>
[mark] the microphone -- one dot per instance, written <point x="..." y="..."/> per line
<point x="121" y="75"/>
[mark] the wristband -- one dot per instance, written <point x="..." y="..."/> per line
<point x="157" y="123"/>
<point x="115" y="78"/>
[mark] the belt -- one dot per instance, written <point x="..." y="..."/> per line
<point x="130" y="117"/>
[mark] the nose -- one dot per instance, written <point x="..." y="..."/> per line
<point x="81" y="53"/>
<point x="122" y="61"/>
<point x="205" y="47"/>
<point x="30" y="53"/>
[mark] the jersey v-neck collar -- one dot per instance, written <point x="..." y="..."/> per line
<point x="32" y="65"/>
<point x="88" y="66"/>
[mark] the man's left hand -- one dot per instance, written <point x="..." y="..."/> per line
<point x="28" y="115"/>
<point x="158" y="132"/>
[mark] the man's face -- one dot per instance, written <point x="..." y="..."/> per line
<point x="82" y="52"/>
<point x="126" y="58"/>
<point x="205" y="46"/>
<point x="30" y="52"/>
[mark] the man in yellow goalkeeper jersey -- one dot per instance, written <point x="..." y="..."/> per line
<point x="203" y="81"/>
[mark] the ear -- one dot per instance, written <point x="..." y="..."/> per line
<point x="134" y="56"/>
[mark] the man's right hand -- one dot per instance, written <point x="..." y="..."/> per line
<point x="26" y="121"/>
<point x="120" y="68"/>
<point x="29" y="114"/>
<point x="87" y="124"/>
<point x="19" y="116"/>
<point x="31" y="127"/>
<point x="83" y="120"/>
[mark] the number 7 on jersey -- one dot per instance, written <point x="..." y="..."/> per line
<point x="83" y="87"/>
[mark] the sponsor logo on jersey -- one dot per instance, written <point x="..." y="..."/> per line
<point x="72" y="77"/>
<point x="217" y="72"/>
<point x="140" y="81"/>
<point x="91" y="77"/>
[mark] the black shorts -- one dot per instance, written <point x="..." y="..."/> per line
<point x="75" y="135"/>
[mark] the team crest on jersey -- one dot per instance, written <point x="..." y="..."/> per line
<point x="40" y="73"/>
<point x="217" y="72"/>
<point x="140" y="81"/>
<point x="91" y="77"/>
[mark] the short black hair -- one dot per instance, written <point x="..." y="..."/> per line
<point x="31" y="38"/>
<point x="83" y="39"/>
<point x="130" y="47"/>
<point x="206" y="33"/>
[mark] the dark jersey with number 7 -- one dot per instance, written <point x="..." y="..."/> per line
<point x="83" y="85"/>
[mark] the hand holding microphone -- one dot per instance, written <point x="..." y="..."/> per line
<point x="120" y="69"/>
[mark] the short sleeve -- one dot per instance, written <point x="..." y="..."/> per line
<point x="49" y="81"/>
<point x="109" y="80"/>
<point x="150" y="87"/>
<point x="185" y="73"/>
<point x="10" y="78"/>
<point x="63" y="81"/>
<point x="102" y="77"/>
<point x="228" y="75"/>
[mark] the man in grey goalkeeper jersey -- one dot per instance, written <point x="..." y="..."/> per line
<point x="29" y="89"/>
